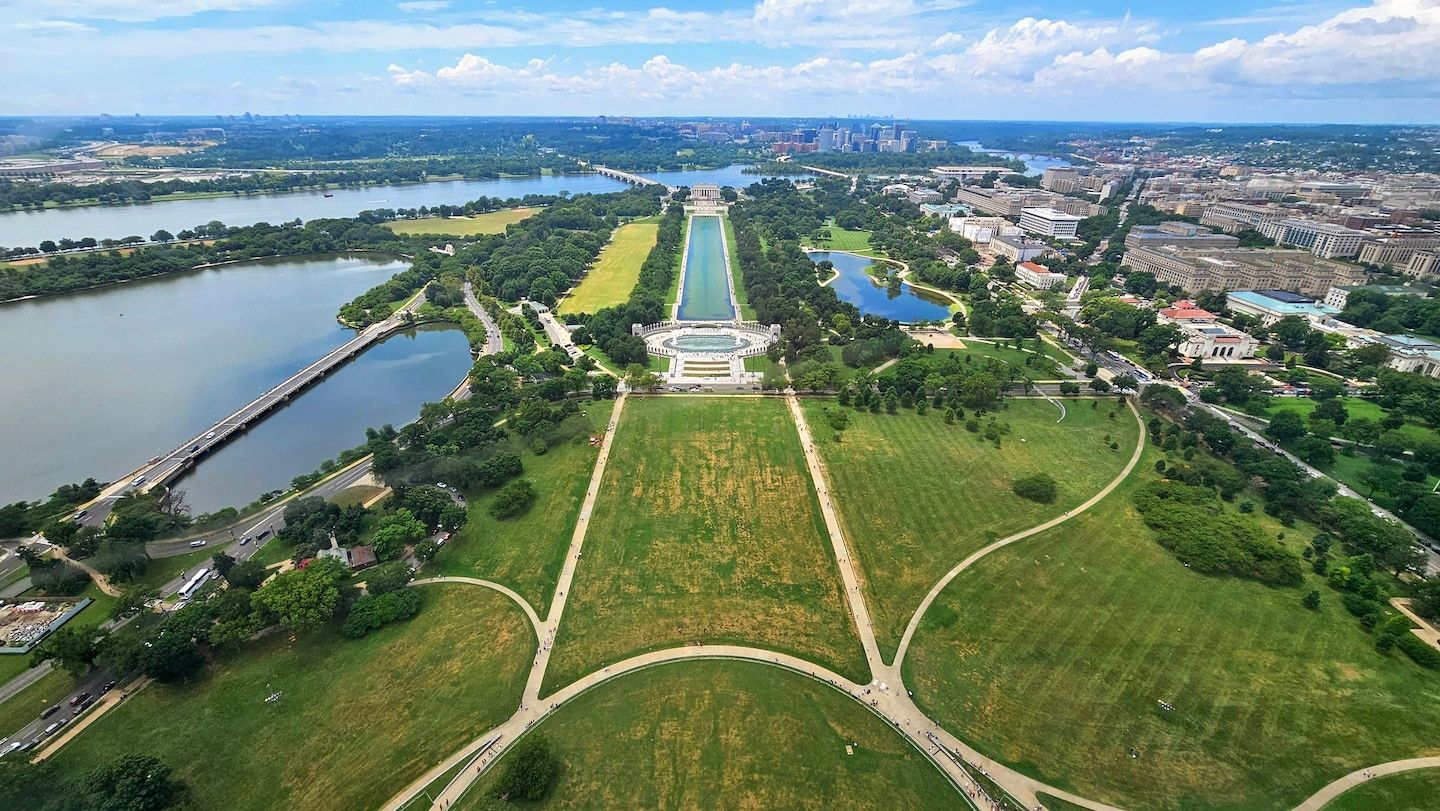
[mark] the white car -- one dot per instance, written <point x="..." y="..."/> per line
<point x="137" y="481"/>
<point x="442" y="485"/>
<point x="210" y="435"/>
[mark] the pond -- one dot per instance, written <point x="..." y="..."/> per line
<point x="855" y="285"/>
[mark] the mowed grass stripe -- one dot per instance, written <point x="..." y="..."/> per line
<point x="716" y="734"/>
<point x="491" y="222"/>
<point x="613" y="276"/>
<point x="1053" y="654"/>
<point x="706" y="529"/>
<point x="356" y="720"/>
<point x="917" y="495"/>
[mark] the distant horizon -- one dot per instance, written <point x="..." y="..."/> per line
<point x="738" y="117"/>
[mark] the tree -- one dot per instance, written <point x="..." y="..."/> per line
<point x="132" y="783"/>
<point x="638" y="378"/>
<point x="1159" y="340"/>
<point x="1126" y="382"/>
<point x="394" y="532"/>
<point x="73" y="648"/>
<point x="171" y="657"/>
<point x="513" y="499"/>
<point x="1099" y="385"/>
<point x="162" y="236"/>
<point x="1312" y="601"/>
<point x="223" y="563"/>
<point x="1286" y="426"/>
<point x="1333" y="410"/>
<point x="531" y="772"/>
<point x="602" y="387"/>
<point x="1040" y="487"/>
<point x="1069" y="389"/>
<point x="247" y="575"/>
<point x="302" y="599"/>
<point x="1291" y="331"/>
<point x="388" y="577"/>
<point x="1315" y="451"/>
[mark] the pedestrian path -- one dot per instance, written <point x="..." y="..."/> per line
<point x="1321" y="798"/>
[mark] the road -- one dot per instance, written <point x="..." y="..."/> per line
<point x="35" y="730"/>
<point x="164" y="468"/>
<point x="554" y="330"/>
<point x="493" y="341"/>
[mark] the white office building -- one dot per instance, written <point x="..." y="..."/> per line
<point x="1049" y="222"/>
<point x="1038" y="276"/>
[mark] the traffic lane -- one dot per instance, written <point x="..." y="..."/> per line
<point x="272" y="517"/>
<point x="91" y="686"/>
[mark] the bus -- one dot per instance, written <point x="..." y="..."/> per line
<point x="194" y="583"/>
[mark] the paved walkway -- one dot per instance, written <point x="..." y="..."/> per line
<point x="546" y="630"/>
<point x="886" y="695"/>
<point x="505" y="590"/>
<point x="1319" y="799"/>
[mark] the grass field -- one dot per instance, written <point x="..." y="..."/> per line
<point x="711" y="734"/>
<point x="356" y="721"/>
<point x="610" y="280"/>
<point x="917" y="495"/>
<point x="356" y="494"/>
<point x="706" y="529"/>
<point x="526" y="552"/>
<point x="1408" y="791"/>
<point x="1354" y="406"/>
<point x="160" y="571"/>
<point x="1052" y="655"/>
<point x="491" y="222"/>
<point x="1043" y="365"/>
<point x="843" y="239"/>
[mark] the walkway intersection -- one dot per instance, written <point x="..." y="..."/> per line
<point x="885" y="695"/>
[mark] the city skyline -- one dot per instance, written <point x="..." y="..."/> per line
<point x="1228" y="62"/>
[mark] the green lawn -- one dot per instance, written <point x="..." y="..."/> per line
<point x="1041" y="366"/>
<point x="274" y="551"/>
<point x="843" y="239"/>
<point x="1354" y="406"/>
<point x="761" y="364"/>
<point x="916" y="496"/>
<point x="493" y="222"/>
<point x="162" y="570"/>
<point x="706" y="529"/>
<point x="1407" y="791"/>
<point x="356" y="494"/>
<point x="711" y="734"/>
<point x="1052" y="655"/>
<point x="526" y="552"/>
<point x="611" y="279"/>
<point x="357" y="719"/>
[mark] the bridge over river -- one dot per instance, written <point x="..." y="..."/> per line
<point x="162" y="470"/>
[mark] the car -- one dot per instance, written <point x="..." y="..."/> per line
<point x="198" y="544"/>
<point x="210" y="435"/>
<point x="51" y="710"/>
<point x="245" y="540"/>
<point x="13" y="746"/>
<point x="442" y="485"/>
<point x="81" y="514"/>
<point x="109" y="685"/>
<point x="50" y="730"/>
<point x="85" y="705"/>
<point x="264" y="533"/>
<point x="194" y="448"/>
<point x="79" y="699"/>
<point x="137" y="481"/>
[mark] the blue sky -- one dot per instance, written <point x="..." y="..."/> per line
<point x="1219" y="60"/>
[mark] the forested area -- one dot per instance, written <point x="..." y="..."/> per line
<point x="64" y="273"/>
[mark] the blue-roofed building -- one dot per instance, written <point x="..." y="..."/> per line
<point x="1272" y="305"/>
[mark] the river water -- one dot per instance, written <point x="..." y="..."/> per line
<point x="30" y="228"/>
<point x="96" y="382"/>
<point x="1034" y="164"/>
<point x="858" y="287"/>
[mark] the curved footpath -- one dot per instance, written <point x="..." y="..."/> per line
<point x="1321" y="798"/>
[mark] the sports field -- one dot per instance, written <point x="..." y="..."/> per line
<point x="1408" y="791"/>
<point x="356" y="720"/>
<point x="610" y="280"/>
<point x="491" y="222"/>
<point x="1053" y="655"/>
<point x="525" y="552"/>
<point x="706" y="529"/>
<point x="710" y="734"/>
<point x="916" y="495"/>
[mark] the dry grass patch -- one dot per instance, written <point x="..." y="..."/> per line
<point x="706" y="529"/>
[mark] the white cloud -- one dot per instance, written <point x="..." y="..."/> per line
<point x="416" y="6"/>
<point x="130" y="11"/>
